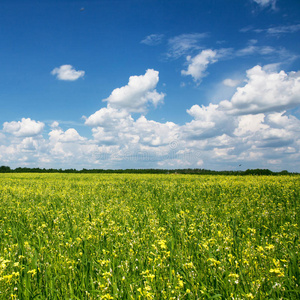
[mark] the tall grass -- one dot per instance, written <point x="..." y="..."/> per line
<point x="89" y="236"/>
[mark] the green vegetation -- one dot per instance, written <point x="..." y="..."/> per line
<point x="6" y="169"/>
<point x="123" y="236"/>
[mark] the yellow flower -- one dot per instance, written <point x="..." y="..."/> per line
<point x="162" y="244"/>
<point x="233" y="275"/>
<point x="250" y="296"/>
<point x="32" y="272"/>
<point x="277" y="271"/>
<point x="270" y="247"/>
<point x="107" y="296"/>
<point x="213" y="261"/>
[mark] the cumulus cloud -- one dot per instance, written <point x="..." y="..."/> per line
<point x="113" y="125"/>
<point x="118" y="127"/>
<point x="242" y="129"/>
<point x="107" y="116"/>
<point x="67" y="72"/>
<point x="281" y="120"/>
<point x="70" y="135"/>
<point x="155" y="133"/>
<point x="54" y="124"/>
<point x="209" y="121"/>
<point x="259" y="132"/>
<point x="265" y="92"/>
<point x="24" y="128"/>
<point x="135" y="96"/>
<point x="29" y="144"/>
<point x="250" y="124"/>
<point x="153" y="39"/>
<point x="198" y="64"/>
<point x="213" y="139"/>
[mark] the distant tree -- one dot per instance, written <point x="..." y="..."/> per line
<point x="284" y="172"/>
<point x="5" y="169"/>
<point x="258" y="172"/>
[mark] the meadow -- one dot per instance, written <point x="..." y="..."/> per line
<point x="126" y="236"/>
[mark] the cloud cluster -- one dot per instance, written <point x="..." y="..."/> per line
<point x="264" y="92"/>
<point x="114" y="124"/>
<point x="67" y="72"/>
<point x="197" y="65"/>
<point x="252" y="128"/>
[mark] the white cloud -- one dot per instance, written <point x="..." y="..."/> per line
<point x="29" y="144"/>
<point x="106" y="117"/>
<point x="70" y="135"/>
<point x="252" y="48"/>
<point x="153" y="39"/>
<point x="154" y="133"/>
<point x="209" y="121"/>
<point x="224" y="153"/>
<point x="54" y="124"/>
<point x="275" y="30"/>
<point x="198" y="64"/>
<point x="283" y="29"/>
<point x="67" y="72"/>
<point x="280" y="120"/>
<point x="261" y="50"/>
<point x="265" y="3"/>
<point x="252" y="128"/>
<point x="184" y="43"/>
<point x="24" y="128"/>
<point x="250" y="124"/>
<point x="213" y="139"/>
<point x="114" y="127"/>
<point x="265" y="92"/>
<point x="139" y="91"/>
<point x="231" y="82"/>
<point x="247" y="28"/>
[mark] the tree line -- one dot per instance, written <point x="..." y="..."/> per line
<point x="6" y="169"/>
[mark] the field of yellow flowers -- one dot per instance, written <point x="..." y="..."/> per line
<point x="124" y="236"/>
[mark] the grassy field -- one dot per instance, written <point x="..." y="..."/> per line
<point x="86" y="236"/>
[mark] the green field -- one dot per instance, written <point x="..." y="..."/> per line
<point x="118" y="236"/>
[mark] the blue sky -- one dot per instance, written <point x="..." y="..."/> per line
<point x="150" y="84"/>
